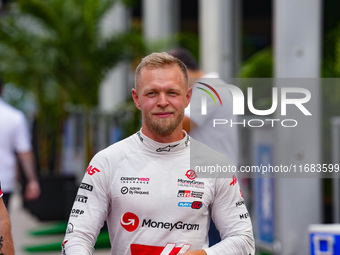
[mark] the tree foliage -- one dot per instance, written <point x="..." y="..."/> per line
<point x="57" y="49"/>
<point x="260" y="65"/>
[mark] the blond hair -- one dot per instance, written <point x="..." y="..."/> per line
<point x="160" y="60"/>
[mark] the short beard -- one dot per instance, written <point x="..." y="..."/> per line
<point x="164" y="126"/>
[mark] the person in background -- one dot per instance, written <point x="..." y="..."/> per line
<point x="15" y="144"/>
<point x="6" y="241"/>
<point x="222" y="139"/>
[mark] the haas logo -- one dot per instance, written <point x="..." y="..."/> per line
<point x="234" y="181"/>
<point x="92" y="170"/>
<point x="191" y="174"/>
<point x="169" y="249"/>
<point x="129" y="221"/>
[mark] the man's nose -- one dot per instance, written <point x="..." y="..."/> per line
<point x="163" y="100"/>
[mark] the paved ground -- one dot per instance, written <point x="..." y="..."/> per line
<point x="23" y="222"/>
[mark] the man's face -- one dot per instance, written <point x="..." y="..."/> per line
<point x="162" y="96"/>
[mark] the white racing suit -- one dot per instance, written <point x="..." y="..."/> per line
<point x="154" y="204"/>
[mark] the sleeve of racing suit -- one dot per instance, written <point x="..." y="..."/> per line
<point x="89" y="210"/>
<point x="232" y="220"/>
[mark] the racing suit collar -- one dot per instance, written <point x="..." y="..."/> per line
<point x="164" y="148"/>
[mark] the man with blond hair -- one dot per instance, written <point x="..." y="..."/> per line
<point x="143" y="186"/>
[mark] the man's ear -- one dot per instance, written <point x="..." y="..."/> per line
<point x="135" y="98"/>
<point x="188" y="96"/>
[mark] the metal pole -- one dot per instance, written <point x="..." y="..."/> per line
<point x="218" y="30"/>
<point x="297" y="51"/>
<point x="159" y="19"/>
<point x="110" y="94"/>
<point x="335" y="121"/>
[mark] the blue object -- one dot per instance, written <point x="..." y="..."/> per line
<point x="214" y="235"/>
<point x="265" y="197"/>
<point x="324" y="244"/>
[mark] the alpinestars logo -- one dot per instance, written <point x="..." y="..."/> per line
<point x="187" y="141"/>
<point x="169" y="249"/>
<point x="140" y="137"/>
<point x="167" y="148"/>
